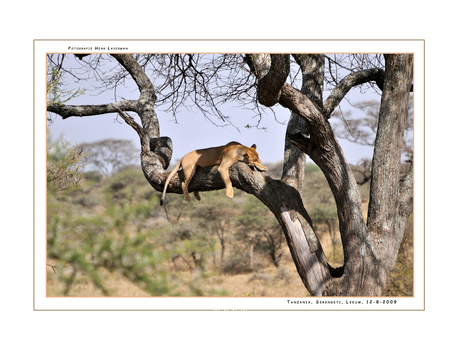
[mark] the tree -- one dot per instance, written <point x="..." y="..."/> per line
<point x="63" y="160"/>
<point x="64" y="166"/>
<point x="218" y="219"/>
<point x="362" y="130"/>
<point x="261" y="230"/>
<point x="109" y="156"/>
<point x="326" y="216"/>
<point x="370" y="248"/>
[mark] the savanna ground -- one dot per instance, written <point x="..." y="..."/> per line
<point x="110" y="237"/>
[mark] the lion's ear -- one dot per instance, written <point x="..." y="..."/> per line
<point x="246" y="157"/>
<point x="254" y="146"/>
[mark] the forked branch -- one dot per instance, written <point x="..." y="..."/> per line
<point x="350" y="81"/>
<point x="145" y="146"/>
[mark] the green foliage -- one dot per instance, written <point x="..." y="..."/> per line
<point x="55" y="87"/>
<point x="129" y="185"/>
<point x="259" y="226"/>
<point x="255" y="215"/>
<point x="64" y="169"/>
<point x="324" y="214"/>
<point x="321" y="207"/>
<point x="112" y="234"/>
<point x="93" y="176"/>
<point x="311" y="167"/>
<point x="69" y="243"/>
<point x="316" y="189"/>
<point x="89" y="243"/>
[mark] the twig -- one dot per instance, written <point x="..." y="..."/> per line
<point x="140" y="131"/>
<point x="53" y="267"/>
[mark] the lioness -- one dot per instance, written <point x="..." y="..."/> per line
<point x="225" y="155"/>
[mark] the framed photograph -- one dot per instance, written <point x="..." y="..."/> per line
<point x="261" y="175"/>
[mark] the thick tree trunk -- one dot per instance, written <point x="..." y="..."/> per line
<point x="389" y="206"/>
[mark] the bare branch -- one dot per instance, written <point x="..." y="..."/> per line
<point x="140" y="131"/>
<point x="67" y="111"/>
<point x="347" y="83"/>
<point x="147" y="99"/>
<point x="136" y="72"/>
<point x="358" y="129"/>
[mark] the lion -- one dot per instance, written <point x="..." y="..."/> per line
<point x="224" y="156"/>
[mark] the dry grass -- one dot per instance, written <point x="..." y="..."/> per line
<point x="269" y="282"/>
<point x="116" y="284"/>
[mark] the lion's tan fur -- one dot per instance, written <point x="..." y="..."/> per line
<point x="225" y="156"/>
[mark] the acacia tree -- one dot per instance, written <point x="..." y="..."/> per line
<point x="109" y="156"/>
<point x="370" y="248"/>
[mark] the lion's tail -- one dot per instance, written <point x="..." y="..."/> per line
<point x="171" y="174"/>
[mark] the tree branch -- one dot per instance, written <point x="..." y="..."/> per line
<point x="145" y="145"/>
<point x="312" y="67"/>
<point x="300" y="104"/>
<point x="147" y="99"/>
<point x="66" y="111"/>
<point x="137" y="73"/>
<point x="350" y="81"/>
<point x="269" y="87"/>
<point x="324" y="149"/>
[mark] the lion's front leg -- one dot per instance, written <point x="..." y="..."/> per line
<point x="223" y="170"/>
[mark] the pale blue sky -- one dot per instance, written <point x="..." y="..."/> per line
<point x="193" y="130"/>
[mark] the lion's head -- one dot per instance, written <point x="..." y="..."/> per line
<point x="251" y="157"/>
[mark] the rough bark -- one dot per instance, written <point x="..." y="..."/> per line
<point x="67" y="111"/>
<point x="389" y="142"/>
<point x="271" y="71"/>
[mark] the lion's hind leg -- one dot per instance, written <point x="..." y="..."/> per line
<point x="185" y="191"/>
<point x="189" y="171"/>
